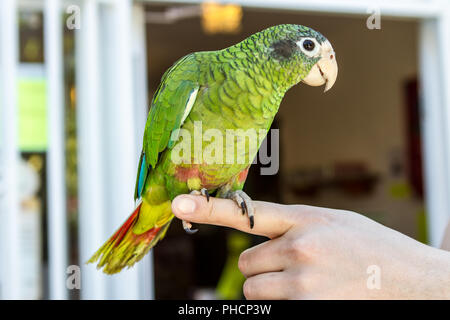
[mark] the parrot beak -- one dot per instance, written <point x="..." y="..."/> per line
<point x="325" y="70"/>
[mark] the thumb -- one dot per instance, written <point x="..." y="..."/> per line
<point x="271" y="220"/>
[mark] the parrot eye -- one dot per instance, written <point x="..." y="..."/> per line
<point x="309" y="46"/>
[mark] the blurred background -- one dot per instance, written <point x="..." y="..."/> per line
<point x="76" y="78"/>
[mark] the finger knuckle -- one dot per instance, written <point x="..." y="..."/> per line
<point x="248" y="289"/>
<point x="324" y="219"/>
<point x="243" y="262"/>
<point x="296" y="249"/>
<point x="314" y="215"/>
<point x="300" y="211"/>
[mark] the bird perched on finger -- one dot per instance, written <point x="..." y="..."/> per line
<point x="236" y="88"/>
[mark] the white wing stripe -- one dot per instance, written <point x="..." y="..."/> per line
<point x="189" y="105"/>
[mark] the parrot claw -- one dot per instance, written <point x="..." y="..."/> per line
<point x="245" y="203"/>
<point x="186" y="224"/>
<point x="252" y="221"/>
<point x="244" y="208"/>
<point x="187" y="227"/>
<point x="205" y="192"/>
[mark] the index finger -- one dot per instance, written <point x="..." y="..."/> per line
<point x="271" y="220"/>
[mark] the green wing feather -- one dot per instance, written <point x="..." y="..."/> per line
<point x="166" y="113"/>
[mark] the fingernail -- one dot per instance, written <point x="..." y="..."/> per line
<point x="185" y="205"/>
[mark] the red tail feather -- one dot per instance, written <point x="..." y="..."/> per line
<point x="118" y="236"/>
<point x="124" y="247"/>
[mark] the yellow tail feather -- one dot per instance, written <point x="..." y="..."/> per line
<point x="125" y="248"/>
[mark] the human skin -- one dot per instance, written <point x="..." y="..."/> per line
<point x="321" y="253"/>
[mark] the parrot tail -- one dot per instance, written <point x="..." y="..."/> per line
<point x="125" y="248"/>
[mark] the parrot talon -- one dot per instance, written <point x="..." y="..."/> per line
<point x="187" y="227"/>
<point x="244" y="208"/>
<point x="190" y="231"/>
<point x="245" y="203"/>
<point x="205" y="192"/>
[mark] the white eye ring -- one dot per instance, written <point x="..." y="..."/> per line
<point x="314" y="52"/>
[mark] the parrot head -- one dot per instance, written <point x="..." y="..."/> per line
<point x="300" y="53"/>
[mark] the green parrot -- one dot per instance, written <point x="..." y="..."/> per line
<point x="239" y="87"/>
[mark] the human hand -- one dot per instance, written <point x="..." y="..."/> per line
<point x="320" y="253"/>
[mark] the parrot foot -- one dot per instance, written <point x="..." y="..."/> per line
<point x="203" y="192"/>
<point x="245" y="203"/>
<point x="187" y="226"/>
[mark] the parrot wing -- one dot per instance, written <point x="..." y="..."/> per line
<point x="149" y="222"/>
<point x="171" y="104"/>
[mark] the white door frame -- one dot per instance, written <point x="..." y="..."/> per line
<point x="125" y="67"/>
<point x="9" y="153"/>
<point x="110" y="108"/>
